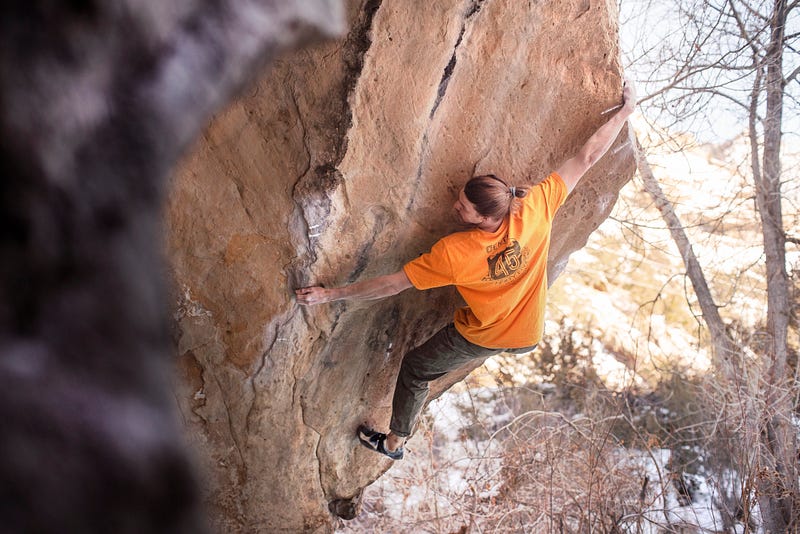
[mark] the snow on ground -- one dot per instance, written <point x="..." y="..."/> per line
<point x="445" y="465"/>
<point x="701" y="513"/>
<point x="439" y="468"/>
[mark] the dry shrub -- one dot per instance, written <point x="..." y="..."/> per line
<point x="577" y="457"/>
<point x="566" y="475"/>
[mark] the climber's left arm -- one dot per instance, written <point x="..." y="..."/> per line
<point x="572" y="170"/>
<point x="374" y="288"/>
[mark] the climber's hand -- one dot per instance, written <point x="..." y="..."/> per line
<point x="308" y="296"/>
<point x="629" y="95"/>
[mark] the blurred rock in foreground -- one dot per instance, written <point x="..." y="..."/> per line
<point x="97" y="102"/>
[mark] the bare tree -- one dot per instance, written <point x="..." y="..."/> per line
<point x="731" y="53"/>
<point x="722" y="343"/>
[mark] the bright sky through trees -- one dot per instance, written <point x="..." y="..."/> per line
<point x="656" y="36"/>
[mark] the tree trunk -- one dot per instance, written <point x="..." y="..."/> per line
<point x="778" y="491"/>
<point x="727" y="353"/>
<point x="724" y="347"/>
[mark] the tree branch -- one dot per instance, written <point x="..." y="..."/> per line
<point x="743" y="30"/>
<point x="723" y="344"/>
<point x="792" y="76"/>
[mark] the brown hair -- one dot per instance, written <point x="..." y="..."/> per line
<point x="492" y="196"/>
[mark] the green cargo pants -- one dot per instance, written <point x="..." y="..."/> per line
<point x="446" y="351"/>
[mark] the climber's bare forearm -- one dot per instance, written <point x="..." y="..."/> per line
<point x="374" y="288"/>
<point x="572" y="170"/>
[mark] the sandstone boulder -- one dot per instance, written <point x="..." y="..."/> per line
<point x="343" y="164"/>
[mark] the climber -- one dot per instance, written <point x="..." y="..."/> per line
<point x="498" y="267"/>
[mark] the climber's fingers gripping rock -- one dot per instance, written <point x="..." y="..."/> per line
<point x="309" y="296"/>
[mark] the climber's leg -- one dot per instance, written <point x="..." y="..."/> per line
<point x="446" y="351"/>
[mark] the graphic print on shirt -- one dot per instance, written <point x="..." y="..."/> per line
<point x="506" y="265"/>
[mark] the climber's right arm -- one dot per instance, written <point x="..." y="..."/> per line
<point x="374" y="288"/>
<point x="572" y="170"/>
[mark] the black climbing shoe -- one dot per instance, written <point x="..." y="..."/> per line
<point x="375" y="441"/>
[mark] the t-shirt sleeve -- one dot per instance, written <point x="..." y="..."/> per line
<point x="553" y="191"/>
<point x="432" y="269"/>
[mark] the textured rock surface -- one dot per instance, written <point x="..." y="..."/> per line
<point x="341" y="165"/>
<point x="97" y="102"/>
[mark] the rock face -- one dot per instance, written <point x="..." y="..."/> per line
<point x="97" y="102"/>
<point x="343" y="164"/>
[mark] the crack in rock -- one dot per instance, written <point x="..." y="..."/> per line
<point x="473" y="9"/>
<point x="312" y="190"/>
<point x="242" y="463"/>
<point x="451" y="65"/>
<point x="297" y="400"/>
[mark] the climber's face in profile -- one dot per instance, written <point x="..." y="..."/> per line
<point x="465" y="210"/>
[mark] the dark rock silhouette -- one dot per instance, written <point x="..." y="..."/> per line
<point x="98" y="100"/>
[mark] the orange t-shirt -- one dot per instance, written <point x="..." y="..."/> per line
<point x="502" y="275"/>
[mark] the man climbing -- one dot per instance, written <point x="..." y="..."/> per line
<point x="499" y="268"/>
